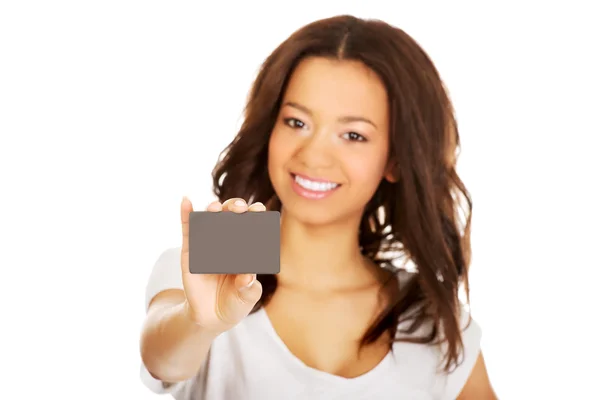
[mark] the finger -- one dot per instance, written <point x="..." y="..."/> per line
<point x="186" y="209"/>
<point x="215" y="206"/>
<point x="249" y="289"/>
<point x="243" y="294"/>
<point x="235" y="205"/>
<point x="257" y="207"/>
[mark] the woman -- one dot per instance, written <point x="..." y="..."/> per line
<point x="350" y="134"/>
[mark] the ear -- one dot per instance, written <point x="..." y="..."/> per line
<point x="391" y="172"/>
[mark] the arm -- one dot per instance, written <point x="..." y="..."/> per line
<point x="478" y="386"/>
<point x="172" y="346"/>
<point x="469" y="381"/>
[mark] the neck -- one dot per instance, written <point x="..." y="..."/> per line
<point x="320" y="257"/>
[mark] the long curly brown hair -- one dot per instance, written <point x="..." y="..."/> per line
<point x="426" y="214"/>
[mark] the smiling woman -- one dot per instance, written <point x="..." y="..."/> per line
<point x="350" y="134"/>
<point x="332" y="129"/>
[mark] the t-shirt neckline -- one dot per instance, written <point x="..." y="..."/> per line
<point x="313" y="373"/>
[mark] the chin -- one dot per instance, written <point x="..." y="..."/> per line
<point x="319" y="214"/>
<point x="310" y="216"/>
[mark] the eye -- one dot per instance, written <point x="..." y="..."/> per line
<point x="294" y="123"/>
<point x="354" y="137"/>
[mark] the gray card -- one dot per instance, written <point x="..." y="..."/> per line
<point x="230" y="243"/>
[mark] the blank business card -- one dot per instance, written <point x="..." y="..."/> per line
<point x="230" y="243"/>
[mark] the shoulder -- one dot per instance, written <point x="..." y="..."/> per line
<point x="165" y="274"/>
<point x="470" y="379"/>
<point x="423" y="363"/>
<point x="452" y="383"/>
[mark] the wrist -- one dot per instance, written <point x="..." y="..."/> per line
<point x="188" y="314"/>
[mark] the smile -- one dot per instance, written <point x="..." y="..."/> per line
<point x="315" y="186"/>
<point x="313" y="189"/>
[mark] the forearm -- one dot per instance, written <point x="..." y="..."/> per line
<point x="173" y="347"/>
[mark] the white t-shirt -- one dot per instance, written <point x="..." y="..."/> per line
<point x="251" y="362"/>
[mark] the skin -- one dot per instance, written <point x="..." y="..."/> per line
<point x="333" y="126"/>
<point x="181" y="325"/>
<point x="322" y="132"/>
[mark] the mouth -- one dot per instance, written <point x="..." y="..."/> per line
<point x="313" y="188"/>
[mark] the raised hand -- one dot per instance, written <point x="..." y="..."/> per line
<point x="217" y="302"/>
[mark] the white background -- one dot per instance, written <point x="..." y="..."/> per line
<point x="111" y="111"/>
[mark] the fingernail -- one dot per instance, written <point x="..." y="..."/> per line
<point x="252" y="280"/>
<point x="258" y="204"/>
<point x="213" y="206"/>
<point x="239" y="203"/>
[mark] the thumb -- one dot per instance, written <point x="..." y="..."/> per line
<point x="249" y="289"/>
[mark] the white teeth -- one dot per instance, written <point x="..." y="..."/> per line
<point x="315" y="186"/>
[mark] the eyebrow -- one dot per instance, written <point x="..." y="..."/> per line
<point x="344" y="119"/>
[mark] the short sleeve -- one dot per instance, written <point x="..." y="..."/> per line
<point x="166" y="274"/>
<point x="471" y="336"/>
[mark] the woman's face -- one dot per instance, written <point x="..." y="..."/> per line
<point x="329" y="147"/>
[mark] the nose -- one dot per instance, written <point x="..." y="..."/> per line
<point x="315" y="152"/>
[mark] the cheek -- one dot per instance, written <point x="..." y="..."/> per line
<point x="365" y="179"/>
<point x="366" y="171"/>
<point x="279" y="153"/>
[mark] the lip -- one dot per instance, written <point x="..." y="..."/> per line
<point x="311" y="194"/>
<point x="310" y="178"/>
